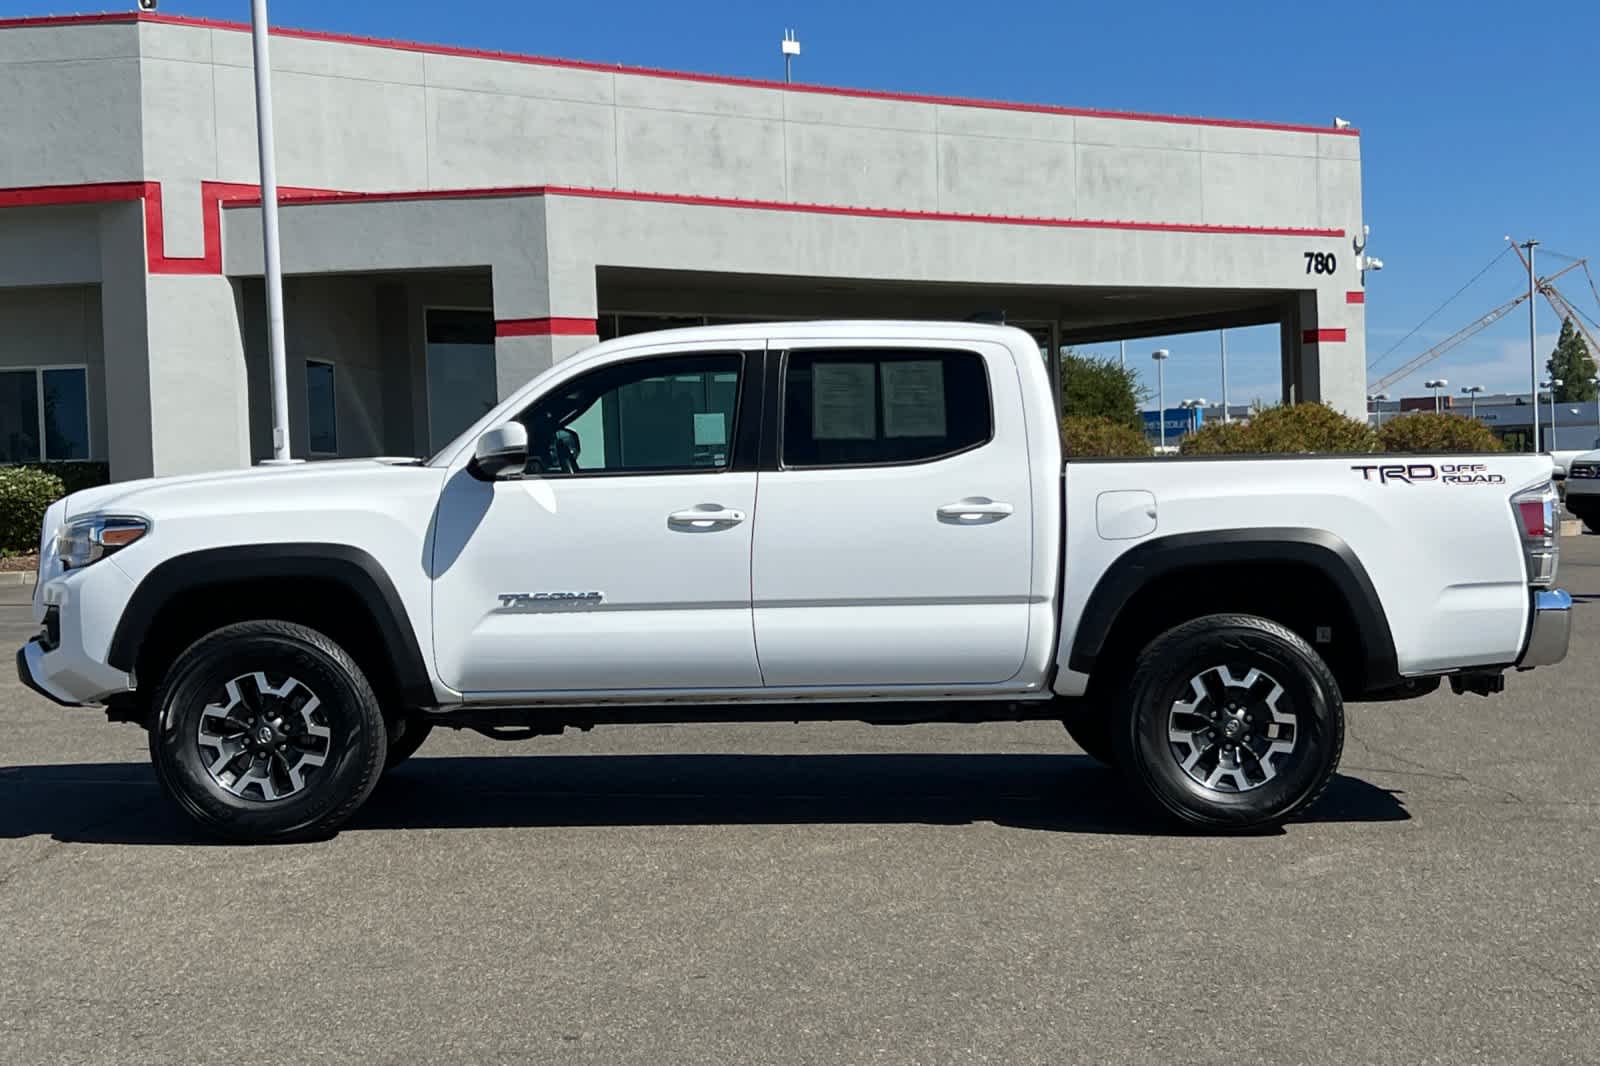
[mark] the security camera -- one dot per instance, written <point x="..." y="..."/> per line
<point x="148" y="5"/>
<point x="1373" y="263"/>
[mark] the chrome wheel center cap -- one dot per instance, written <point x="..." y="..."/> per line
<point x="264" y="735"/>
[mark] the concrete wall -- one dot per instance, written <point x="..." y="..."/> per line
<point x="358" y="117"/>
<point x="53" y="327"/>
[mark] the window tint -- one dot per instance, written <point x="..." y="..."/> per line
<point x="857" y="408"/>
<point x="19" y="416"/>
<point x="321" y="409"/>
<point x="66" y="413"/>
<point x="652" y="415"/>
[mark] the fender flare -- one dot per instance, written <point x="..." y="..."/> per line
<point x="1155" y="559"/>
<point x="349" y="566"/>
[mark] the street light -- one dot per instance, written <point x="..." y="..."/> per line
<point x="1377" y="399"/>
<point x="1222" y="340"/>
<point x="1596" y="381"/>
<point x="1161" y="355"/>
<point x="272" y="265"/>
<point x="1193" y="407"/>
<point x="1553" y="384"/>
<point x="1473" y="390"/>
<point x="1436" y="384"/>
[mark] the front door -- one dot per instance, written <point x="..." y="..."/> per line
<point x="896" y="535"/>
<point x="621" y="560"/>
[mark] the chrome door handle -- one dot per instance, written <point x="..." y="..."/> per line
<point x="975" y="510"/>
<point x="706" y="516"/>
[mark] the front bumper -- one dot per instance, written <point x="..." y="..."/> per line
<point x="1551" y="631"/>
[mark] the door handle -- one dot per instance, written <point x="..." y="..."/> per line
<point x="975" y="510"/>
<point x="706" y="516"/>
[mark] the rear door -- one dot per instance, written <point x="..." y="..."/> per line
<point x="894" y="542"/>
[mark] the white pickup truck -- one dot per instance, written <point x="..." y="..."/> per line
<point x="799" y="521"/>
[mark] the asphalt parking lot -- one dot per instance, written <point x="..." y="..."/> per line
<point x="822" y="894"/>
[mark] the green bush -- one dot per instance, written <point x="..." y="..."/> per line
<point x="1092" y="387"/>
<point x="1303" y="428"/>
<point x="24" y="495"/>
<point x="1098" y="436"/>
<point x="1429" y="432"/>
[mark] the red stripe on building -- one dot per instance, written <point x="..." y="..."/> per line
<point x="545" y="327"/>
<point x="676" y="75"/>
<point x="1355" y="296"/>
<point x="692" y="200"/>
<point x="1322" y="336"/>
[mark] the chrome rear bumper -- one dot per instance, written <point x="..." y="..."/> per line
<point x="1551" y="630"/>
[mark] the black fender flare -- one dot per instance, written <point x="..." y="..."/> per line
<point x="349" y="566"/>
<point x="1155" y="559"/>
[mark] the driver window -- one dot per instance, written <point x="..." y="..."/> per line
<point x="666" y="414"/>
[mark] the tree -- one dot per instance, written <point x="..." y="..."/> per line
<point x="1573" y="363"/>
<point x="1100" y="388"/>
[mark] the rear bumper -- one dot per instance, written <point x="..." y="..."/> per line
<point x="1551" y="630"/>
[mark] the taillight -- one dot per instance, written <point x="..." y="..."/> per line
<point x="1541" y="535"/>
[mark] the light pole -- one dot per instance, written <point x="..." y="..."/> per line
<point x="1436" y="384"/>
<point x="1161" y="355"/>
<point x="1553" y="384"/>
<point x="1377" y="399"/>
<point x="1473" y="390"/>
<point x="1533" y="344"/>
<point x="1596" y="381"/>
<point x="1222" y="340"/>
<point x="1193" y="407"/>
<point x="278" y="361"/>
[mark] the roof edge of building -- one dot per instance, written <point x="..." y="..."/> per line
<point x="678" y="75"/>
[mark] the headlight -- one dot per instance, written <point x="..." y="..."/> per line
<point x="86" y="540"/>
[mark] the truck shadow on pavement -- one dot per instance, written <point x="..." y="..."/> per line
<point x="118" y="803"/>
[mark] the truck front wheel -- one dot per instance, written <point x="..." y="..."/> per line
<point x="267" y="732"/>
<point x="1231" y="721"/>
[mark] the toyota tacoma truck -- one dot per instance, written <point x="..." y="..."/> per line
<point x="802" y="521"/>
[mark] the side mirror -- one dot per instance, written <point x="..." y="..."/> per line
<point x="499" y="452"/>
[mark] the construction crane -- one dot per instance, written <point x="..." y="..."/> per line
<point x="1544" y="285"/>
<point x="1445" y="345"/>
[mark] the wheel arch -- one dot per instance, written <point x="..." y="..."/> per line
<point x="355" y="580"/>
<point x="1136" y="594"/>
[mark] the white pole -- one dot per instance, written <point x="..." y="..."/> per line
<point x="1222" y="337"/>
<point x="278" y="360"/>
<point x="1161" y="399"/>
<point x="1122" y="353"/>
<point x="1533" y="344"/>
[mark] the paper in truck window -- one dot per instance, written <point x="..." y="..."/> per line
<point x="913" y="398"/>
<point x="710" y="429"/>
<point x="844" y="401"/>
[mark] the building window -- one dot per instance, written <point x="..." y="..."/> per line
<point x="462" y="386"/>
<point x="322" y="414"/>
<point x="650" y="416"/>
<point x="44" y="414"/>
<point x="876" y="407"/>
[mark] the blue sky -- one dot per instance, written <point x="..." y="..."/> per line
<point x="1474" y="124"/>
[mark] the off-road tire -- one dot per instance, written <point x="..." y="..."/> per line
<point x="1163" y="675"/>
<point x="356" y="745"/>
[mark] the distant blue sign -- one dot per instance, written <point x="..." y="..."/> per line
<point x="1180" y="422"/>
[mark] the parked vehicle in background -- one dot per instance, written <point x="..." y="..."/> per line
<point x="1582" y="489"/>
<point x="854" y="520"/>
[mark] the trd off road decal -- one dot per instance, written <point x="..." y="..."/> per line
<point x="1448" y="473"/>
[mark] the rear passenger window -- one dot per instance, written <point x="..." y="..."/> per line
<point x="873" y="407"/>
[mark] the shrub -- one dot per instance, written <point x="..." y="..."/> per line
<point x="77" y="474"/>
<point x="1303" y="428"/>
<point x="1098" y="436"/>
<point x="24" y="495"/>
<point x="1094" y="387"/>
<point x="1429" y="432"/>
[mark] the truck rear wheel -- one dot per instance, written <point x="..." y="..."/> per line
<point x="1231" y="721"/>
<point x="267" y="732"/>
